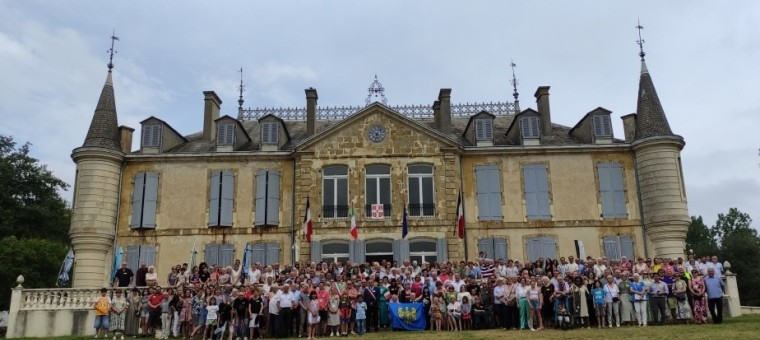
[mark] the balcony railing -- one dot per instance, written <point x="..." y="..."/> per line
<point x="424" y="209"/>
<point x="334" y="211"/>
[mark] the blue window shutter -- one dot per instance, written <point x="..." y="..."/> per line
<point x="137" y="200"/>
<point x="148" y="255"/>
<point x="548" y="248"/>
<point x="618" y="190"/>
<point x="227" y="199"/>
<point x="626" y="247"/>
<point x="273" y="199"/>
<point x="479" y="129"/>
<point x="612" y="247"/>
<point x="150" y="200"/>
<point x="404" y="244"/>
<point x="443" y="250"/>
<point x="605" y="189"/>
<point x="316" y="251"/>
<point x="261" y="197"/>
<point x="213" y="202"/>
<point x="274" y="132"/>
<point x="531" y="191"/>
<point x="226" y="254"/>
<point x="542" y="183"/>
<point x="359" y="250"/>
<point x="133" y="257"/>
<point x="486" y="245"/>
<point x="352" y="251"/>
<point x="266" y="138"/>
<point x="495" y="193"/>
<point x="258" y="254"/>
<point x="488" y="129"/>
<point x="500" y="248"/>
<point x="211" y="255"/>
<point x="484" y="205"/>
<point x="533" y="245"/>
<point x="273" y="253"/>
<point x="397" y="251"/>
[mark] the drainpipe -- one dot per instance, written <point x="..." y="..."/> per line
<point x="293" y="218"/>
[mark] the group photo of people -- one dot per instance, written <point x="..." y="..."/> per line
<point x="330" y="299"/>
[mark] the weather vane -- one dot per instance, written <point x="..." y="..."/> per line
<point x="376" y="89"/>
<point x="112" y="51"/>
<point x="640" y="41"/>
<point x="514" y="85"/>
<point x="241" y="88"/>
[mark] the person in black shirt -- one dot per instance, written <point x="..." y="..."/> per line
<point x="123" y="277"/>
<point x="240" y="314"/>
<point x="203" y="273"/>
<point x="479" y="314"/>
<point x="256" y="309"/>
<point x="225" y="319"/>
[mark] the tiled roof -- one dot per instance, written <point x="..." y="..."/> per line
<point x="650" y="117"/>
<point x="104" y="128"/>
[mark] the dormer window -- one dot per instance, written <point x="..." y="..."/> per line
<point x="484" y="129"/>
<point x="270" y="133"/>
<point x="529" y="127"/>
<point x="151" y="136"/>
<point x="602" y="126"/>
<point x="225" y="134"/>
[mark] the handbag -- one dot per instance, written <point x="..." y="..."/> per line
<point x="616" y="299"/>
<point x="681" y="297"/>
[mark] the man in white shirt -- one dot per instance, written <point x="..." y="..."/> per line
<point x="571" y="265"/>
<point x="254" y="275"/>
<point x="715" y="265"/>
<point x="285" y="305"/>
<point x="457" y="283"/>
<point x="274" y="312"/>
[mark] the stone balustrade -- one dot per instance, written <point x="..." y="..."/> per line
<point x="60" y="298"/>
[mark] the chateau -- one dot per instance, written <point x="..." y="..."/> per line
<point x="530" y="188"/>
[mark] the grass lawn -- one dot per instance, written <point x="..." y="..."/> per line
<point x="745" y="327"/>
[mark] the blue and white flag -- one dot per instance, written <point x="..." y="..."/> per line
<point x="408" y="316"/>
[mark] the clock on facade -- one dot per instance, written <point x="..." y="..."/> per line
<point x="376" y="133"/>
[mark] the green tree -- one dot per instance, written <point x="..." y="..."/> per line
<point x="742" y="249"/>
<point x="732" y="222"/>
<point x="30" y="203"/>
<point x="699" y="238"/>
<point x="38" y="260"/>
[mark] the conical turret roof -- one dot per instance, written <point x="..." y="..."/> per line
<point x="650" y="117"/>
<point x="104" y="128"/>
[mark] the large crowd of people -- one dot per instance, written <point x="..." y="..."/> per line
<point x="325" y="299"/>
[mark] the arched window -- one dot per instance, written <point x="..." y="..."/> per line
<point x="378" y="191"/>
<point x="378" y="250"/>
<point x="335" y="252"/>
<point x="423" y="251"/>
<point x="421" y="191"/>
<point x="335" y="191"/>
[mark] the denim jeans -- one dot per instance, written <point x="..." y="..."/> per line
<point x="361" y="326"/>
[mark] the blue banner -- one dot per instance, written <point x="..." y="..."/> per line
<point x="408" y="316"/>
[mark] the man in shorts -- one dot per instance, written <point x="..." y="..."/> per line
<point x="102" y="305"/>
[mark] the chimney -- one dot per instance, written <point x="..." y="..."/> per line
<point x="542" y="101"/>
<point x="629" y="127"/>
<point x="311" y="111"/>
<point x="444" y="114"/>
<point x="211" y="106"/>
<point x="437" y="114"/>
<point x="125" y="133"/>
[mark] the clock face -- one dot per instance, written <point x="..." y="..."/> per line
<point x="376" y="133"/>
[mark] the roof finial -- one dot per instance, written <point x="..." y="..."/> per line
<point x="376" y="89"/>
<point x="640" y="41"/>
<point x="514" y="85"/>
<point x="112" y="51"/>
<point x="241" y="88"/>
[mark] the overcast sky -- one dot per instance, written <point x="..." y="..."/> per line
<point x="703" y="56"/>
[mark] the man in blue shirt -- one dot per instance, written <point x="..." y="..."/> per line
<point x="715" y="289"/>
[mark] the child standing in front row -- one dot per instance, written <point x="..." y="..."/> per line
<point x="361" y="315"/>
<point x="598" y="293"/>
<point x="102" y="305"/>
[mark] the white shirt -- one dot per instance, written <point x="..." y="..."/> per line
<point x="457" y="285"/>
<point x="572" y="267"/>
<point x="286" y="299"/>
<point x="610" y="291"/>
<point x="254" y="276"/>
<point x="273" y="303"/>
<point x="511" y="271"/>
<point x="521" y="291"/>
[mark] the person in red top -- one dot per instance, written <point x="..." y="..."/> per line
<point x="323" y="295"/>
<point x="154" y="309"/>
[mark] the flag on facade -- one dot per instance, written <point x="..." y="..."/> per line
<point x="307" y="223"/>
<point x="404" y="225"/>
<point x="354" y="229"/>
<point x="460" y="217"/>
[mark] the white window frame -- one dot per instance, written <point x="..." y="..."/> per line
<point x="335" y="256"/>
<point x="534" y="124"/>
<point x="420" y="199"/>
<point x="376" y="178"/>
<point x="423" y="254"/>
<point x="334" y="202"/>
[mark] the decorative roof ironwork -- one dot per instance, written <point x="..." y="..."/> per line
<point x="640" y="42"/>
<point x="411" y="111"/>
<point x="376" y="89"/>
<point x="111" y="51"/>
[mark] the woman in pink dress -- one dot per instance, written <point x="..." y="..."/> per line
<point x="697" y="287"/>
<point x="186" y="314"/>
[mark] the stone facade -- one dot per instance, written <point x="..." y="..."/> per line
<point x="571" y="192"/>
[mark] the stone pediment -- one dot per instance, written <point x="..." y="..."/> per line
<point x="377" y="130"/>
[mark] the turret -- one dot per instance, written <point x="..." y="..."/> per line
<point x="657" y="150"/>
<point x="96" y="194"/>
